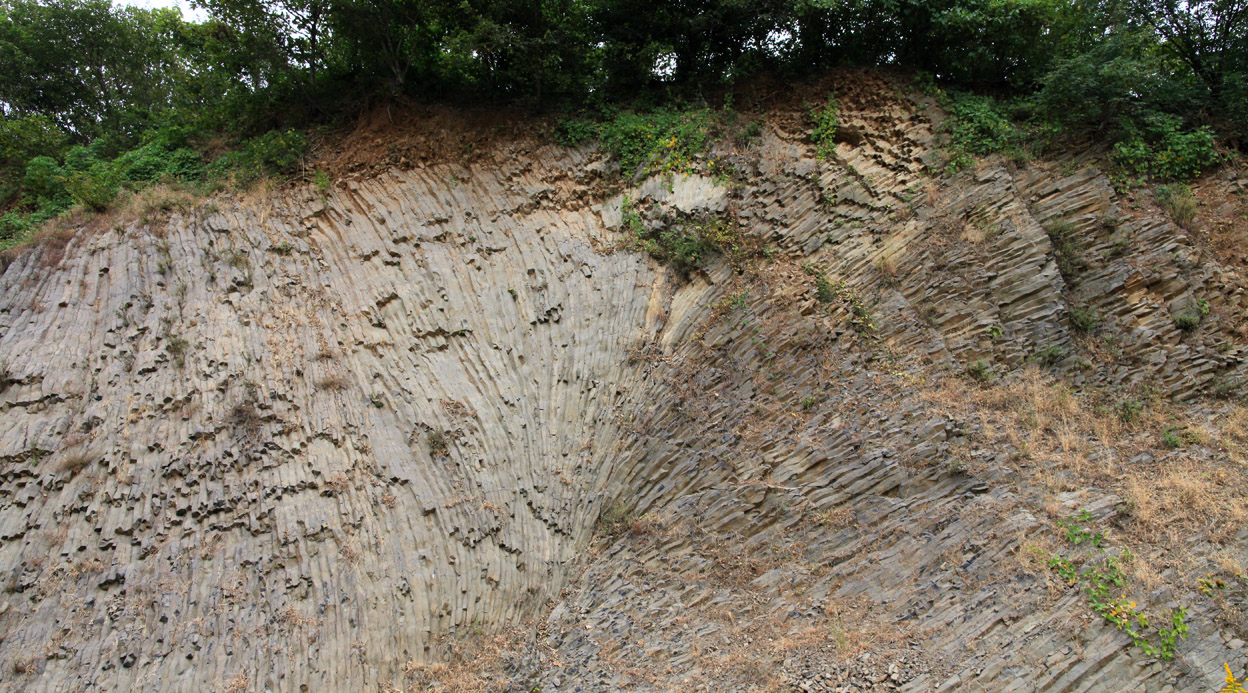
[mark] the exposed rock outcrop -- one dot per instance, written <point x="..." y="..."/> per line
<point x="306" y="441"/>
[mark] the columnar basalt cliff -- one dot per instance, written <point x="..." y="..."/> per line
<point x="441" y="426"/>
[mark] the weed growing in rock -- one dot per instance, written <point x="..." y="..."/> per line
<point x="686" y="245"/>
<point x="1222" y="387"/>
<point x="322" y="182"/>
<point x="614" y="520"/>
<point x="824" y="292"/>
<point x="1177" y="202"/>
<point x="746" y="135"/>
<point x="1234" y="685"/>
<point x="824" y="133"/>
<point x="439" y="446"/>
<point x="828" y="292"/>
<point x="1099" y="574"/>
<point x="1084" y="319"/>
<point x="732" y="302"/>
<point x="1177" y="437"/>
<point x="1129" y="410"/>
<point x="1187" y="319"/>
<point x="176" y="347"/>
<point x="1067" y="247"/>
<point x="1077" y="534"/>
<point x="1048" y="356"/>
<point x="980" y="371"/>
<point x="245" y="419"/>
<point x="335" y="382"/>
<point x="75" y="459"/>
<point x="887" y="267"/>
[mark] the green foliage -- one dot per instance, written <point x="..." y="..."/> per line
<point x="1100" y="576"/>
<point x="88" y="66"/>
<point x="824" y="133"/>
<point x="118" y="96"/>
<point x="1048" y="356"/>
<point x="752" y="131"/>
<point x="615" y="519"/>
<point x="176" y="347"/>
<point x="44" y="178"/>
<point x="824" y="290"/>
<point x="1187" y="319"/>
<point x="1159" y="147"/>
<point x="981" y="125"/>
<point x="980" y="371"/>
<point x="156" y="160"/>
<point x="95" y="187"/>
<point x="276" y="151"/>
<point x="664" y="141"/>
<point x="829" y="292"/>
<point x="978" y="124"/>
<point x="573" y="132"/>
<point x="1129" y="410"/>
<point x="687" y="246"/>
<point x="322" y="182"/>
<point x="1076" y="533"/>
<point x="16" y="225"/>
<point x="1067" y="248"/>
<point x="24" y="138"/>
<point x="1084" y="319"/>
<point x="1177" y="201"/>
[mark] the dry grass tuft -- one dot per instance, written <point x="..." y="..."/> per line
<point x="1063" y="441"/>
<point x="238" y="684"/>
<point x="25" y="666"/>
<point x="887" y="266"/>
<point x="246" y="420"/>
<point x="475" y="665"/>
<point x="334" y="382"/>
<point x="74" y="454"/>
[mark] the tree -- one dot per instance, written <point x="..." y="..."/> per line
<point x="91" y="68"/>
<point x="1210" y="36"/>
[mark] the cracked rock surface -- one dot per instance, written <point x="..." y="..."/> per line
<point x="305" y="441"/>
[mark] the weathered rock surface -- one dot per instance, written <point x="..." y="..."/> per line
<point x="301" y="443"/>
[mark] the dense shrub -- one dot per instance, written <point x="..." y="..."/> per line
<point x="824" y="132"/>
<point x="276" y="151"/>
<point x="666" y="140"/>
<point x="96" y="187"/>
<point x="978" y="125"/>
<point x="43" y="178"/>
<point x="156" y="160"/>
<point x="1159" y="146"/>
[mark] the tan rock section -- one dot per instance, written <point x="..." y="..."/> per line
<point x="302" y="440"/>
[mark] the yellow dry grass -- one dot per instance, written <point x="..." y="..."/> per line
<point x="1064" y="440"/>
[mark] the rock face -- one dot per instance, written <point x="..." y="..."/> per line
<point x="325" y="441"/>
